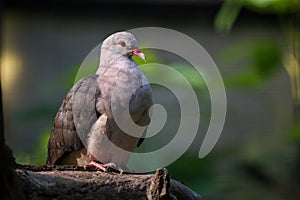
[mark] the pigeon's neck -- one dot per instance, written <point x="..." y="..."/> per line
<point x="109" y="59"/>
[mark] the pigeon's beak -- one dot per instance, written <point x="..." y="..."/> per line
<point x="138" y="53"/>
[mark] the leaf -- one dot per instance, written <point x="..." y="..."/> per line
<point x="273" y="6"/>
<point x="230" y="10"/>
<point x="266" y="58"/>
<point x="227" y="15"/>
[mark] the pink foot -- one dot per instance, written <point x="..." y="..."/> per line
<point x="99" y="165"/>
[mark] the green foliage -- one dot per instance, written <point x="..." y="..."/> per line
<point x="184" y="68"/>
<point x="272" y="6"/>
<point x="230" y="10"/>
<point x="271" y="170"/>
<point x="266" y="58"/>
<point x="38" y="152"/>
<point x="198" y="174"/>
<point x="227" y="15"/>
<point x="255" y="62"/>
<point x="151" y="57"/>
<point x="190" y="73"/>
<point x="294" y="134"/>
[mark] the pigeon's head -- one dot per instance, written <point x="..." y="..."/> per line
<point x="122" y="43"/>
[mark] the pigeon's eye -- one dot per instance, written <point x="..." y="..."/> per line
<point x="122" y="43"/>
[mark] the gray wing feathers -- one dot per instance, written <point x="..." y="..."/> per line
<point x="64" y="136"/>
<point x="84" y="105"/>
<point x="139" y="105"/>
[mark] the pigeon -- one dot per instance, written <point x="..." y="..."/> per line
<point x="87" y="130"/>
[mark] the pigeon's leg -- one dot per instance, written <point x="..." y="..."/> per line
<point x="96" y="143"/>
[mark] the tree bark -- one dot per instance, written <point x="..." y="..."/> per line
<point x="73" y="182"/>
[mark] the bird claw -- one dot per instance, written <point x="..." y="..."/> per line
<point x="103" y="167"/>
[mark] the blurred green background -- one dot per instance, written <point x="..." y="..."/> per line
<point x="255" y="44"/>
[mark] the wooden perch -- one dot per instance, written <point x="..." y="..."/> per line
<point x="73" y="182"/>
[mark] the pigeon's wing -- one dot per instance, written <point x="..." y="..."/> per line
<point x="73" y="120"/>
<point x="139" y="106"/>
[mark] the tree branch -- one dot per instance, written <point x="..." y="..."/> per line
<point x="73" y="182"/>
